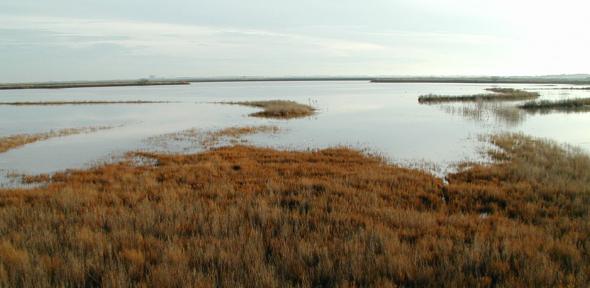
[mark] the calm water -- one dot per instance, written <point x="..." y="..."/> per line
<point x="383" y="118"/>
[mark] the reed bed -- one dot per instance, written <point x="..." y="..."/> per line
<point x="278" y="109"/>
<point x="246" y="216"/>
<point x="15" y="141"/>
<point x="577" y="104"/>
<point x="500" y="94"/>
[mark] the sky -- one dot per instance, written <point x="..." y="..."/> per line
<point x="63" y="40"/>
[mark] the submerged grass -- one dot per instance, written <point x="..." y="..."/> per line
<point x="15" y="141"/>
<point x="245" y="216"/>
<point x="278" y="109"/>
<point x="209" y="139"/>
<point x="500" y="94"/>
<point x="574" y="105"/>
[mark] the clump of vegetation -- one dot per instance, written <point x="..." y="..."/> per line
<point x="500" y="94"/>
<point x="209" y="139"/>
<point x="239" y="215"/>
<point x="15" y="141"/>
<point x="578" y="104"/>
<point x="278" y="109"/>
<point x="485" y="111"/>
<point x="49" y="103"/>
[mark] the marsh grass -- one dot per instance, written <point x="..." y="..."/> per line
<point x="15" y="141"/>
<point x="51" y="103"/>
<point x="484" y="111"/>
<point x="500" y="94"/>
<point x="245" y="216"/>
<point x="278" y="109"/>
<point x="568" y="105"/>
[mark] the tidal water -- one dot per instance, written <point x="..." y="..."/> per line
<point x="380" y="118"/>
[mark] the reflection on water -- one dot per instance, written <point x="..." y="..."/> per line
<point x="384" y="118"/>
<point x="487" y="112"/>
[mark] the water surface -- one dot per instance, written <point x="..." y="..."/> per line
<point x="383" y="118"/>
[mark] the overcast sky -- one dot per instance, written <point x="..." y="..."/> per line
<point x="114" y="39"/>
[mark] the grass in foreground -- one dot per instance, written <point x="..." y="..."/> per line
<point x="569" y="105"/>
<point x="500" y="94"/>
<point x="239" y="216"/>
<point x="49" y="103"/>
<point x="278" y="109"/>
<point x="15" y="141"/>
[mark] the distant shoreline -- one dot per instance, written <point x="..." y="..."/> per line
<point x="188" y="81"/>
<point x="90" y="84"/>
<point x="484" y="80"/>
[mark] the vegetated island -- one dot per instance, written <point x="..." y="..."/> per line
<point x="15" y="141"/>
<point x="56" y="103"/>
<point x="500" y="94"/>
<point x="240" y="215"/>
<point x="567" y="105"/>
<point x="278" y="109"/>
<point x="89" y="84"/>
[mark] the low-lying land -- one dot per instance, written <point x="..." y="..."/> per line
<point x="571" y="79"/>
<point x="245" y="216"/>
<point x="15" y="141"/>
<point x="278" y="109"/>
<point x="500" y="94"/>
<point x="573" y="105"/>
<point x="52" y="103"/>
<point x="88" y="84"/>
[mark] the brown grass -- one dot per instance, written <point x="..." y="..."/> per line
<point x="245" y="216"/>
<point x="51" y="103"/>
<point x="15" y="141"/>
<point x="568" y="105"/>
<point x="278" y="109"/>
<point x="500" y="94"/>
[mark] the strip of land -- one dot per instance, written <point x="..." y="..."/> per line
<point x="55" y="103"/>
<point x="278" y="109"/>
<point x="577" y="104"/>
<point x="15" y="141"/>
<point x="487" y="80"/>
<point x="88" y="84"/>
<point x="240" y="215"/>
<point x="500" y="94"/>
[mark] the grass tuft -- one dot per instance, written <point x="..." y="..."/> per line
<point x="278" y="109"/>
